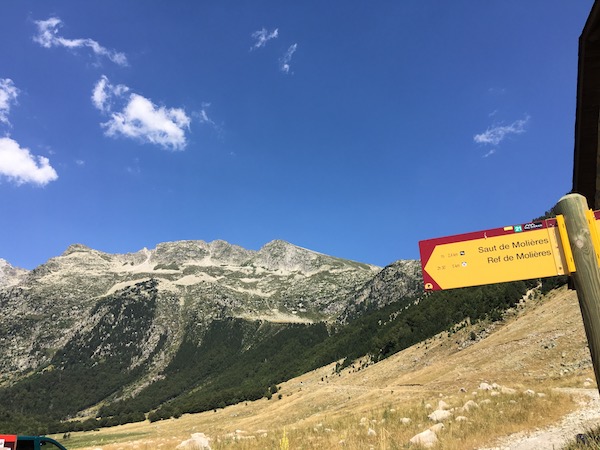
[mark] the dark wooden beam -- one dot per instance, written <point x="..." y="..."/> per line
<point x="586" y="165"/>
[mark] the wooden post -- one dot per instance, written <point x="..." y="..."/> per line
<point x="587" y="274"/>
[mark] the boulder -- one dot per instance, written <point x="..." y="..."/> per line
<point x="440" y="415"/>
<point x="199" y="441"/>
<point x="427" y="439"/>
<point x="470" y="405"/>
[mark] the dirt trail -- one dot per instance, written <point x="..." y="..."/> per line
<point x="557" y="436"/>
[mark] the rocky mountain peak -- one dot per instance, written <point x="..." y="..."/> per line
<point x="10" y="275"/>
<point x="216" y="252"/>
<point x="73" y="248"/>
<point x="225" y="252"/>
<point x="281" y="255"/>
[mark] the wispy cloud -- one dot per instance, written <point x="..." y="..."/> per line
<point x="284" y="62"/>
<point x="134" y="169"/>
<point x="490" y="153"/>
<point x="139" y="118"/>
<point x="262" y="36"/>
<point x="8" y="96"/>
<point x="203" y="117"/>
<point x="497" y="91"/>
<point x="48" y="37"/>
<point x="18" y="165"/>
<point x="496" y="134"/>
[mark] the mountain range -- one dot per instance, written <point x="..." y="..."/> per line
<point x="91" y="339"/>
<point x="121" y="321"/>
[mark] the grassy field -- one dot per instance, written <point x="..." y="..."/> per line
<point x="541" y="346"/>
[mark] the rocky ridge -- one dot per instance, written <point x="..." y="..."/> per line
<point x="190" y="284"/>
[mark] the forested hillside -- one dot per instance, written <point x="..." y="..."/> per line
<point x="233" y="360"/>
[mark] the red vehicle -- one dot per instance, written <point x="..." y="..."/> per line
<point x="14" y="442"/>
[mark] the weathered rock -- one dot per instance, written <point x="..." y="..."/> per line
<point x="426" y="439"/>
<point x="470" y="405"/>
<point x="439" y="415"/>
<point x="199" y="441"/>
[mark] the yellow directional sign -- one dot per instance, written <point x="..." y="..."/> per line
<point x="518" y="252"/>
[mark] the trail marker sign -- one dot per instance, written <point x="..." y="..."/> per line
<point x="511" y="253"/>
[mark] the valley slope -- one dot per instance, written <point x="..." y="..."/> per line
<point x="104" y="327"/>
<point x="540" y="345"/>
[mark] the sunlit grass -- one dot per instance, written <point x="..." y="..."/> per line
<point x="388" y="429"/>
<point x="97" y="438"/>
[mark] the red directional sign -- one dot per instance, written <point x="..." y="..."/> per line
<point x="515" y="252"/>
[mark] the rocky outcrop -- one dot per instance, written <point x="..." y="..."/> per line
<point x="400" y="280"/>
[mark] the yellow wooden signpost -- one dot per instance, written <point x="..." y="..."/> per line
<point x="568" y="244"/>
<point x="582" y="238"/>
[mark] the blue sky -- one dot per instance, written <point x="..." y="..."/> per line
<point x="351" y="128"/>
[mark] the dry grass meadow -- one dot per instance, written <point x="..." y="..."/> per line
<point x="539" y="347"/>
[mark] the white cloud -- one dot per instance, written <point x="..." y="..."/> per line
<point x="20" y="166"/>
<point x="8" y="96"/>
<point x="496" y="134"/>
<point x="16" y="163"/>
<point x="284" y="62"/>
<point x="262" y="36"/>
<point x="140" y="118"/>
<point x="48" y="37"/>
<point x="490" y="153"/>
<point x="104" y="92"/>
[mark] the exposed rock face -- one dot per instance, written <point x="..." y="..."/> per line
<point x="400" y="280"/>
<point x="81" y="298"/>
<point x="10" y="275"/>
